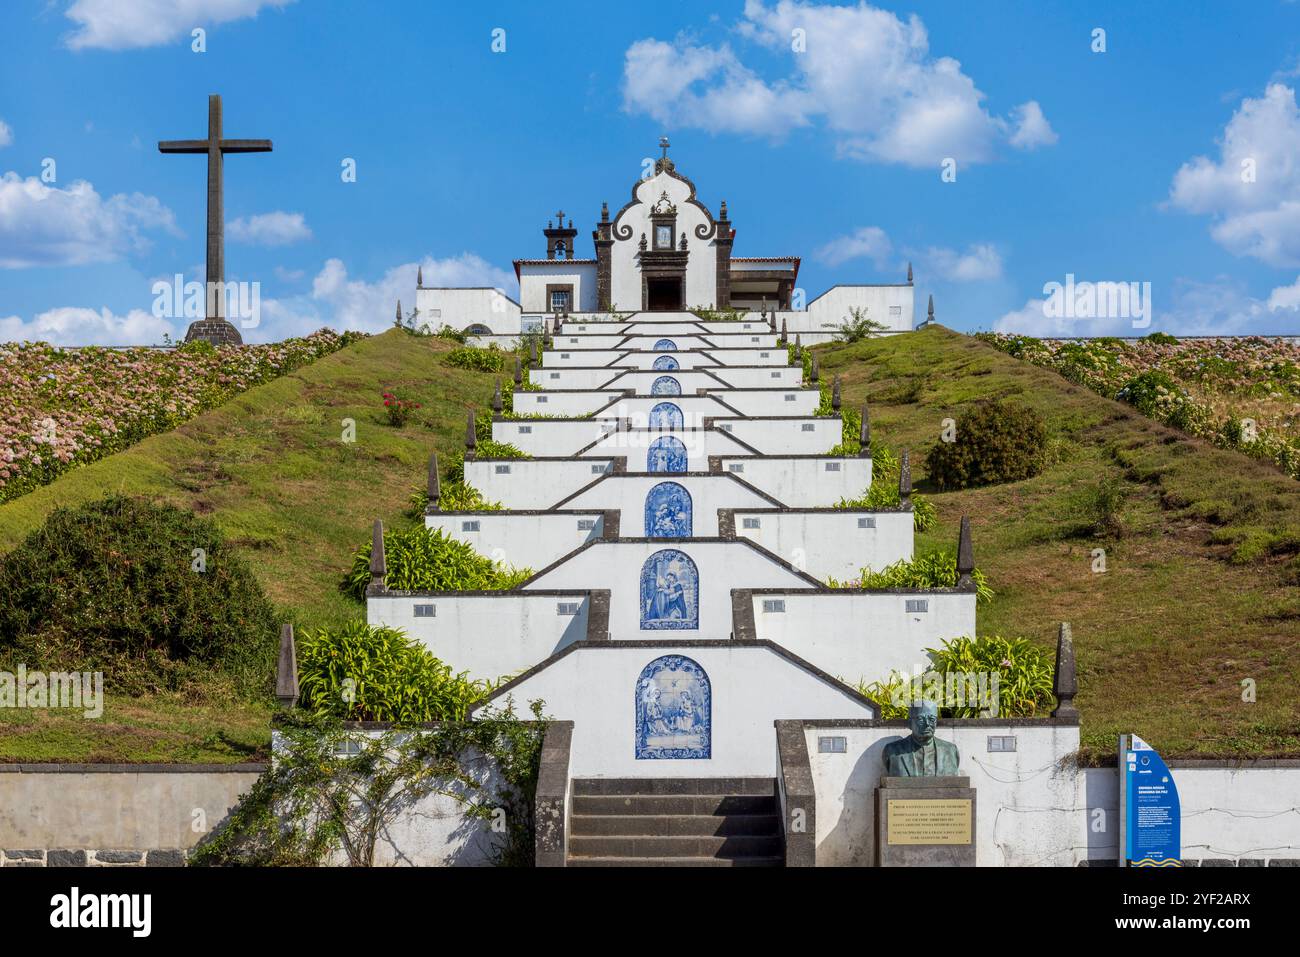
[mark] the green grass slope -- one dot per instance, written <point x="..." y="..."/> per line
<point x="270" y="467"/>
<point x="1199" y="594"/>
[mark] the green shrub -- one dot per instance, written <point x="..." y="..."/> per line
<point x="855" y="326"/>
<point x="995" y="442"/>
<point x="934" y="569"/>
<point x="1160" y="339"/>
<point x="120" y="586"/>
<point x="1100" y="507"/>
<point x="1149" y="392"/>
<point x="1024" y="672"/>
<point x="883" y="491"/>
<point x="453" y="497"/>
<point x="490" y="359"/>
<point x="360" y="672"/>
<point x="418" y="559"/>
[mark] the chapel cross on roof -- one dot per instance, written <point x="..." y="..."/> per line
<point x="663" y="144"/>
<point x="215" y="147"/>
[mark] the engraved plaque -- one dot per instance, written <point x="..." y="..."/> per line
<point x="935" y="821"/>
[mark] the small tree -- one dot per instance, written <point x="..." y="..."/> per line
<point x="856" y="326"/>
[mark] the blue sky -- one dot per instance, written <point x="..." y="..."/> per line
<point x="1123" y="165"/>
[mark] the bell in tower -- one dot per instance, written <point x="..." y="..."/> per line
<point x="559" y="238"/>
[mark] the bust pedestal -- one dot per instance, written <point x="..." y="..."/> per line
<point x="925" y="822"/>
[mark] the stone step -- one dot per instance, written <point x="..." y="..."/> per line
<point x="774" y="861"/>
<point x="673" y="804"/>
<point x="667" y="825"/>
<point x="675" y="846"/>
<point x="647" y="786"/>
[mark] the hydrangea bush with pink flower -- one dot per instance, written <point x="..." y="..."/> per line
<point x="1241" y="393"/>
<point x="68" y="407"/>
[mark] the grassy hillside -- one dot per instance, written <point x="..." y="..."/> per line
<point x="271" y="469"/>
<point x="1200" y="593"/>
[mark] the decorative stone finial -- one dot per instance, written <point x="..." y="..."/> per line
<point x="682" y="244"/>
<point x="435" y="483"/>
<point x="642" y="243"/>
<point x="471" y="435"/>
<point x="532" y="353"/>
<point x="1066" y="684"/>
<point x="378" y="564"/>
<point x="419" y="277"/>
<point x="929" y="313"/>
<point x="497" y="404"/>
<point x="965" y="556"/>
<point x="835" y="393"/>
<point x="864" y="434"/>
<point x="815" y="375"/>
<point x="604" y="212"/>
<point x="784" y="332"/>
<point x="905" y="479"/>
<point x="722" y="210"/>
<point x="286" y="669"/>
<point x="909" y="274"/>
<point x="399" y="312"/>
<point x="519" y="372"/>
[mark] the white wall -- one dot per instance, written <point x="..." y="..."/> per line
<point x="535" y="277"/>
<point x="751" y="377"/>
<point x="771" y="401"/>
<point x="554" y="402"/>
<point x="617" y="566"/>
<point x="520" y="539"/>
<point x="796" y="435"/>
<point x="550" y="436"/>
<point x="489" y="635"/>
<point x="863" y="635"/>
<point x="701" y="269"/>
<point x="1024" y="799"/>
<point x="831" y="543"/>
<point x="627" y="494"/>
<point x="646" y="360"/>
<point x="751" y="687"/>
<point x="699" y="443"/>
<point x="891" y="306"/>
<point x="462" y="308"/>
<point x="534" y="483"/>
<point x="807" y="482"/>
<point x="567" y="380"/>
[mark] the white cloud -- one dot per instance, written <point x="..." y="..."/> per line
<point x="867" y="75"/>
<point x="1253" y="190"/>
<point x="76" y="326"/>
<point x="1032" y="129"/>
<point x="980" y="262"/>
<point x="269" y="229"/>
<point x="1219" y="307"/>
<point x="6" y="133"/>
<point x="42" y="225"/>
<point x="341" y="302"/>
<point x="866" y="242"/>
<point x="114" y="25"/>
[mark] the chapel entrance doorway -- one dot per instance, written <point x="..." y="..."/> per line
<point x="664" y="295"/>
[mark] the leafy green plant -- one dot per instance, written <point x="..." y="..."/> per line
<point x="490" y="359"/>
<point x="1100" y="507"/>
<point x="333" y="791"/>
<point x="995" y="442"/>
<point x="149" y="594"/>
<point x="883" y="492"/>
<point x="855" y="326"/>
<point x="361" y="672"/>
<point x="420" y="559"/>
<point x="933" y="569"/>
<point x="453" y="497"/>
<point x="1024" y="678"/>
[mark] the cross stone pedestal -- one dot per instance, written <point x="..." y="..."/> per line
<point x="925" y="822"/>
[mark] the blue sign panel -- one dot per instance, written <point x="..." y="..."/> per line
<point x="665" y="363"/>
<point x="666" y="415"/>
<point x="1153" y="819"/>
<point x="665" y="345"/>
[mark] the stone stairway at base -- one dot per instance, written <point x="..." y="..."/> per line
<point x="675" y="822"/>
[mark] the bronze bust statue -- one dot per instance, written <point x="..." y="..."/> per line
<point x="921" y="754"/>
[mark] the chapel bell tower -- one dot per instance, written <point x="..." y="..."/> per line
<point x="559" y="238"/>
